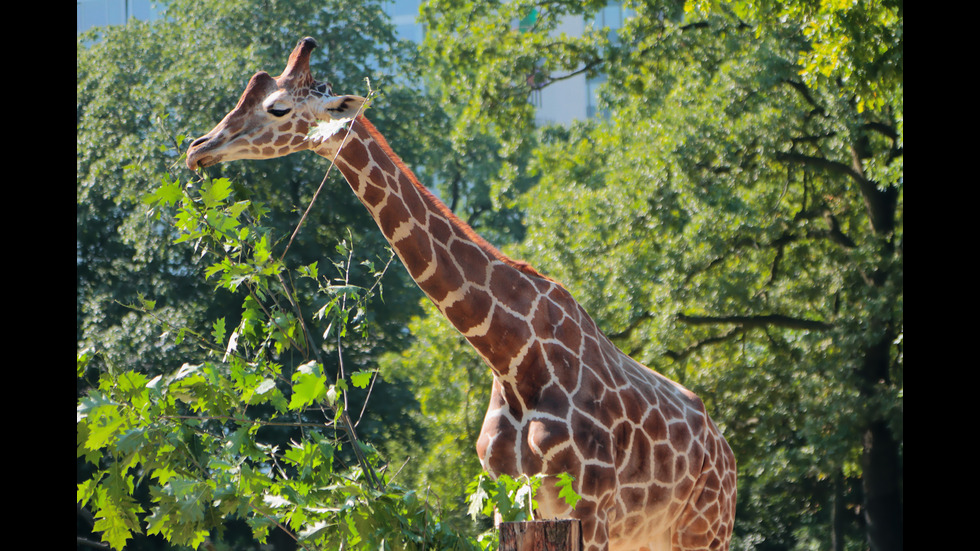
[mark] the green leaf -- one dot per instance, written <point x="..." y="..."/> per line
<point x="168" y="194"/>
<point x="85" y="490"/>
<point x="238" y="208"/>
<point x="361" y="379"/>
<point x="146" y="303"/>
<point x="218" y="332"/>
<point x="262" y="252"/>
<point x="117" y="522"/>
<point x="131" y="383"/>
<point x="309" y="271"/>
<point x="309" y="386"/>
<point x="104" y="429"/>
<point x="477" y="500"/>
<point x="566" y="491"/>
<point x="215" y="191"/>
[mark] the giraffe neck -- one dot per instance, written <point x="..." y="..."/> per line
<point x="487" y="296"/>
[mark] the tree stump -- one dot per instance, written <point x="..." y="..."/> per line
<point x="541" y="535"/>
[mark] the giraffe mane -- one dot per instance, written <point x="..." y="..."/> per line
<point x="441" y="207"/>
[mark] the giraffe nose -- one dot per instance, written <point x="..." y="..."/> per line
<point x="195" y="157"/>
<point x="198" y="155"/>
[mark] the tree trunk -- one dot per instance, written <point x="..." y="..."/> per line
<point x="883" y="509"/>
<point x="542" y="535"/>
<point x="880" y="457"/>
<point x="837" y="514"/>
<point x="880" y="460"/>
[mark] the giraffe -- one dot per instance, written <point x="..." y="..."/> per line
<point x="652" y="469"/>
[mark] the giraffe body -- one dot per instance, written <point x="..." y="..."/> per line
<point x="653" y="470"/>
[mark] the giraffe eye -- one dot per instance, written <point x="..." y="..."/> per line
<point x="278" y="112"/>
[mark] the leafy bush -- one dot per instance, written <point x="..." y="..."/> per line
<point x="258" y="428"/>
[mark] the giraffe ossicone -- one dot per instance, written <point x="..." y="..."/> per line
<point x="651" y="467"/>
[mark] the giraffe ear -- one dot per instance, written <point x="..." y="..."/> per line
<point x="333" y="115"/>
<point x="342" y="107"/>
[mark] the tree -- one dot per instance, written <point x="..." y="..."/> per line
<point x="736" y="222"/>
<point x="142" y="88"/>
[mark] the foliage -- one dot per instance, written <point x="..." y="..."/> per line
<point x="856" y="47"/>
<point x="141" y="84"/>
<point x="513" y="499"/>
<point x="198" y="438"/>
<point x="451" y="385"/>
<point x="510" y="499"/>
<point x="141" y="89"/>
<point x="736" y="222"/>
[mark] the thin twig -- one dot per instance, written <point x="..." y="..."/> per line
<point x="346" y="423"/>
<point x="280" y="526"/>
<point x="360" y="415"/>
<point x="240" y="420"/>
<point x="333" y="162"/>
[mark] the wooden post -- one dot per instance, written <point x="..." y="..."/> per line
<point x="541" y="535"/>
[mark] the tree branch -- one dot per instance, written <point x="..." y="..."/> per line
<point x="805" y="92"/>
<point x="821" y="163"/>
<point x="631" y="327"/>
<point x="880" y="203"/>
<point x="676" y="356"/>
<point x="833" y="233"/>
<point x="550" y="79"/>
<point x="881" y="128"/>
<point x="763" y="320"/>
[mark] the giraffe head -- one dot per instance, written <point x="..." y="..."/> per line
<point x="274" y="115"/>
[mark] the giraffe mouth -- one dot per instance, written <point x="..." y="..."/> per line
<point x="201" y="153"/>
<point x="195" y="162"/>
<point x="207" y="161"/>
<point x="199" y="157"/>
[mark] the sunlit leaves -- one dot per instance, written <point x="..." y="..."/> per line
<point x="116" y="519"/>
<point x="206" y="419"/>
<point x="513" y="499"/>
<point x="566" y="490"/>
<point x="361" y="379"/>
<point x="212" y="216"/>
<point x="168" y="193"/>
<point x="309" y="386"/>
<point x="855" y="45"/>
<point x="180" y="511"/>
<point x="195" y="429"/>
